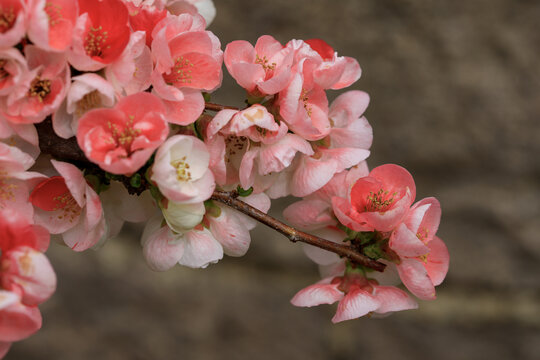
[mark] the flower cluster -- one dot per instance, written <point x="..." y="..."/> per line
<point x="130" y="80"/>
<point x="374" y="212"/>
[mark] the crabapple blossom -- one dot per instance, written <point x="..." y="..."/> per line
<point x="41" y="90"/>
<point x="100" y="34"/>
<point x="190" y="59"/>
<point x="264" y="69"/>
<point x="87" y="92"/>
<point x="357" y="296"/>
<point x="68" y="205"/>
<point x="123" y="138"/>
<point x="378" y="201"/>
<point x="424" y="257"/>
<point x="181" y="171"/>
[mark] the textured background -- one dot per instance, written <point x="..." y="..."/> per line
<point x="455" y="90"/>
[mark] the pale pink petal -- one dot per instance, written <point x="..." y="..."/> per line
<point x="309" y="214"/>
<point x="350" y="75"/>
<point x="317" y="294"/>
<point x="19" y="322"/>
<point x="355" y="304"/>
<point x="415" y="277"/>
<point x="405" y="243"/>
<point x="230" y="232"/>
<point x="201" y="249"/>
<point x="320" y="256"/>
<point x="393" y="299"/>
<point x="437" y="261"/>
<point x="186" y="111"/>
<point x="161" y="249"/>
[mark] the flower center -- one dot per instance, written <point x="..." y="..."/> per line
<point x="95" y="40"/>
<point x="304" y="98"/>
<point x="90" y="101"/>
<point x="264" y="63"/>
<point x="181" y="72"/>
<point x="123" y="137"/>
<point x="235" y="145"/>
<point x="40" y="88"/>
<point x="6" y="189"/>
<point x="53" y="13"/>
<point x="379" y="201"/>
<point x="7" y="18"/>
<point x="182" y="169"/>
<point x="70" y="209"/>
<point x="3" y="73"/>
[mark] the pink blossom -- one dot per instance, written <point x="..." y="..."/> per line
<point x="230" y="134"/>
<point x="163" y="248"/>
<point x="41" y="91"/>
<point x="197" y="244"/>
<point x="87" y="92"/>
<point x="13" y="25"/>
<point x="51" y="23"/>
<point x="121" y="139"/>
<point x="357" y="296"/>
<point x="378" y="201"/>
<point x="67" y="205"/>
<point x="181" y="170"/>
<point x="100" y="35"/>
<point x="303" y="104"/>
<point x="335" y="72"/>
<point x="263" y="69"/>
<point x="186" y="57"/>
<point x="423" y="256"/>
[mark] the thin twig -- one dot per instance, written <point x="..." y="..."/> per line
<point x="231" y="199"/>
<point x="219" y="107"/>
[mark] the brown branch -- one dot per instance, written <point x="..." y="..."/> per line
<point x="68" y="149"/>
<point x="218" y="107"/>
<point x="231" y="199"/>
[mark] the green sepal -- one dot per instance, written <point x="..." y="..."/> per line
<point x="207" y="97"/>
<point x="243" y="192"/>
<point x="212" y="209"/>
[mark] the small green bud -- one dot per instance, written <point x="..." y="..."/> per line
<point x="243" y="192"/>
<point x="135" y="180"/>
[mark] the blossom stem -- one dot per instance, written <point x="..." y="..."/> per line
<point x="230" y="198"/>
<point x="218" y="107"/>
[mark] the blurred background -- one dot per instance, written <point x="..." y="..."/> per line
<point x="454" y="91"/>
